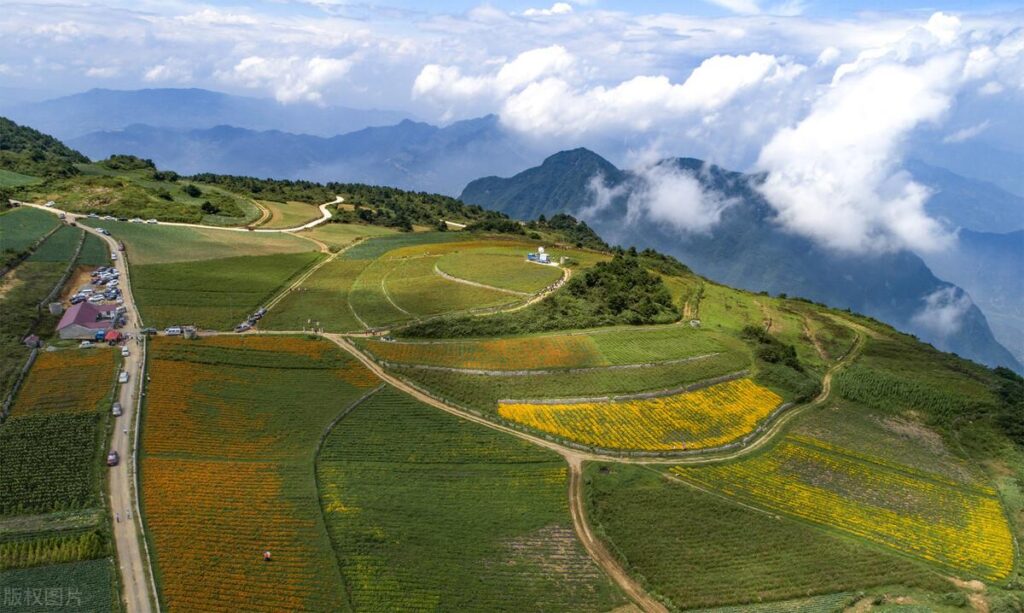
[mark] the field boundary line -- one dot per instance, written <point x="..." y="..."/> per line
<point x="541" y="371"/>
<point x="384" y="290"/>
<point x="316" y="475"/>
<point x="693" y="387"/>
<point x="455" y="279"/>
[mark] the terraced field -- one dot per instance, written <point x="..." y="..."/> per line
<point x="576" y="350"/>
<point x="341" y="235"/>
<point x="699" y="550"/>
<point x="483" y="391"/>
<point x="921" y="514"/>
<point x="231" y="429"/>
<point x="23" y="226"/>
<point x="60" y="247"/>
<point x="709" y="417"/>
<point x="430" y="512"/>
<point x="509" y="271"/>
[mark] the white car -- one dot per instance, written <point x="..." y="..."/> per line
<point x="113" y="255"/>
<point x="124" y="352"/>
<point x="152" y="221"/>
<point x="85" y="345"/>
<point x="123" y="377"/>
<point x="173" y="331"/>
<point x="50" y="203"/>
<point x="116" y="409"/>
<point x="135" y="220"/>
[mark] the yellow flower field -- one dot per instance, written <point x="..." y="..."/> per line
<point x="959" y="527"/>
<point x="704" y="418"/>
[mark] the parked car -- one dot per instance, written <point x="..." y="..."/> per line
<point x="123" y="377"/>
<point x="152" y="221"/>
<point x="135" y="220"/>
<point x="85" y="345"/>
<point x="113" y="458"/>
<point x="103" y="231"/>
<point x="94" y="216"/>
<point x="50" y="203"/>
<point x="62" y="216"/>
<point x="148" y="331"/>
<point x="116" y="409"/>
<point x="113" y="255"/>
<point x="242" y="327"/>
<point x="173" y="331"/>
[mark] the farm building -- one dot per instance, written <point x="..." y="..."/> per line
<point x="82" y="321"/>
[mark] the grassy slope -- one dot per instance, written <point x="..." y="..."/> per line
<point x="323" y="298"/>
<point x="698" y="550"/>
<point x="430" y="512"/>
<point x="341" y="235"/>
<point x="161" y="244"/>
<point x="23" y="226"/>
<point x="9" y="178"/>
<point x="213" y="294"/>
<point x="289" y="214"/>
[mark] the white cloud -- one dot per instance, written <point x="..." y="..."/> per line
<point x="835" y="176"/>
<point x="558" y="8"/>
<point x="171" y="70"/>
<point x="966" y="133"/>
<point x="675" y="197"/>
<point x="292" y="79"/>
<point x="740" y="7"/>
<point x="828" y="56"/>
<point x="943" y="311"/>
<point x="447" y="83"/>
<point x="540" y="96"/>
<point x="103" y="72"/>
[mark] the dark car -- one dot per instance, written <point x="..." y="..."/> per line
<point x="148" y="331"/>
<point x="113" y="458"/>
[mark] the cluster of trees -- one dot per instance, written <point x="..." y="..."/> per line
<point x="778" y="365"/>
<point x="620" y="291"/>
<point x="127" y="162"/>
<point x="575" y="232"/>
<point x="1010" y="413"/>
<point x="31" y="152"/>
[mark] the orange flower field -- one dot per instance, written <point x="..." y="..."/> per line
<point x="231" y="426"/>
<point x="528" y="353"/>
<point x="70" y="381"/>
<point x="704" y="418"/>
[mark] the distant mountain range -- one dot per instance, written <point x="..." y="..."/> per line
<point x="746" y="248"/>
<point x="95" y="110"/>
<point x="410" y="155"/>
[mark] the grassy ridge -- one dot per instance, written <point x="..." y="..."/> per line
<point x="427" y="511"/>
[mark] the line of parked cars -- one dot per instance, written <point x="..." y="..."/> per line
<point x="112" y="218"/>
<point x="251" y="320"/>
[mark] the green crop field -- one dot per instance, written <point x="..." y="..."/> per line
<point x="10" y="178"/>
<point x="342" y="234"/>
<point x="378" y="246"/>
<point x="507" y="271"/>
<point x="95" y="252"/>
<point x="230" y="430"/>
<point x="321" y="298"/>
<point x="215" y="293"/>
<point x="583" y="349"/>
<point x="698" y="550"/>
<point x="84" y="587"/>
<point x="23" y="226"/>
<point x="482" y="392"/>
<point x="723" y="308"/>
<point x="51" y="442"/>
<point x="60" y="247"/>
<point x="289" y="214"/>
<point x="416" y="288"/>
<point x="162" y="244"/>
<point x="21" y="290"/>
<point x="429" y="512"/>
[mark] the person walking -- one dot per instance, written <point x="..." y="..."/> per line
<point x="117" y="517"/>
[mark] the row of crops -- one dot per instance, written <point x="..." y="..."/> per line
<point x="231" y="427"/>
<point x="696" y="549"/>
<point x="708" y="417"/>
<point x="430" y="512"/>
<point x="926" y="516"/>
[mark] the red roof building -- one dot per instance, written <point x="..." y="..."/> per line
<point x="83" y="320"/>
